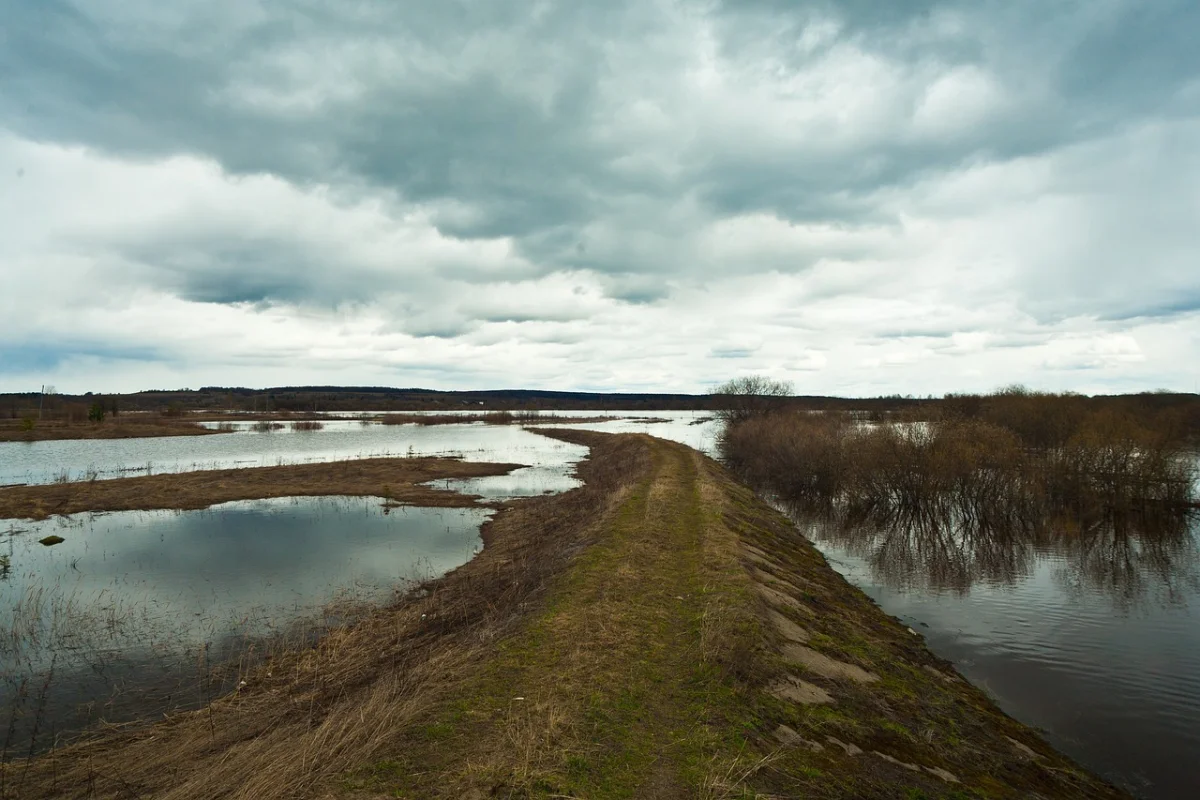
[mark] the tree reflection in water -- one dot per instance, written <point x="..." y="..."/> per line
<point x="1130" y="558"/>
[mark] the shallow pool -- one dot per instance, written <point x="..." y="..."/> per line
<point x="129" y="612"/>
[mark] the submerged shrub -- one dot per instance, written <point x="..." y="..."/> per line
<point x="966" y="466"/>
<point x="1115" y="461"/>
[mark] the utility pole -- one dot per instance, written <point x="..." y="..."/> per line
<point x="46" y="389"/>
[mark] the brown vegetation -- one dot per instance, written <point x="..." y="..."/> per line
<point x="1013" y="457"/>
<point x="312" y="714"/>
<point x="394" y="478"/>
<point x="488" y="417"/>
<point x="637" y="637"/>
<point x="31" y="430"/>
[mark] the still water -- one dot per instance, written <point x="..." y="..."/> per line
<point x="127" y="615"/>
<point x="1091" y="634"/>
<point x="549" y="462"/>
<point x="43" y="462"/>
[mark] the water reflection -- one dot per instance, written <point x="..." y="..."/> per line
<point x="82" y="459"/>
<point x="128" y="614"/>
<point x="1130" y="558"/>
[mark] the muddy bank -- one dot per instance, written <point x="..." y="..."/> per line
<point x="659" y="632"/>
<point x="395" y="478"/>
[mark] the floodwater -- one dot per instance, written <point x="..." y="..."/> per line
<point x="128" y="614"/>
<point x="549" y="462"/>
<point x="1090" y="634"/>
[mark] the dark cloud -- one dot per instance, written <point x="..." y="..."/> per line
<point x="246" y="270"/>
<point x="37" y="357"/>
<point x="887" y="172"/>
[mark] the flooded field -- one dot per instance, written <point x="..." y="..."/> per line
<point x="1092" y="636"/>
<point x="134" y="613"/>
<point x="549" y="461"/>
<point x="129" y="614"/>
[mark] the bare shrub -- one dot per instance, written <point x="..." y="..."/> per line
<point x="966" y="466"/>
<point x="739" y="399"/>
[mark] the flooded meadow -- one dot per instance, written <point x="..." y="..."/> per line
<point x="1085" y="630"/>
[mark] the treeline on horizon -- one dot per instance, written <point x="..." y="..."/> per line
<point x="1186" y="407"/>
<point x="1015" y="458"/>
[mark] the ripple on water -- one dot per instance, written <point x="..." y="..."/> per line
<point x="1103" y="657"/>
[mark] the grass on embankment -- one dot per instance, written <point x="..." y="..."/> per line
<point x="658" y="633"/>
<point x="395" y="478"/>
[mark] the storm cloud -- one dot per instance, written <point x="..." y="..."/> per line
<point x="863" y="198"/>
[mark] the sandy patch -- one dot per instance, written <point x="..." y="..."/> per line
<point x="1023" y="749"/>
<point x="849" y="748"/>
<point x="937" y="673"/>
<point x="798" y="691"/>
<point x="781" y="600"/>
<point x="790" y="738"/>
<point x="787" y="629"/>
<point x="825" y="666"/>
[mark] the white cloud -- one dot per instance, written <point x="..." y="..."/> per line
<point x="651" y="195"/>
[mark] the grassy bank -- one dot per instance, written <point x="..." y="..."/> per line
<point x="396" y="478"/>
<point x="658" y="633"/>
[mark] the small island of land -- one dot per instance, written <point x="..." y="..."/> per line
<point x="398" y="479"/>
<point x="30" y="430"/>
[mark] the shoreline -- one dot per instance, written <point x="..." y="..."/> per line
<point x="658" y="632"/>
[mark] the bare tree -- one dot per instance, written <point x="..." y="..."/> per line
<point x="741" y="398"/>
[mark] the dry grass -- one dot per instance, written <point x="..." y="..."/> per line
<point x="608" y="642"/>
<point x="120" y="428"/>
<point x="394" y="478"/>
<point x="487" y="417"/>
<point x="312" y="714"/>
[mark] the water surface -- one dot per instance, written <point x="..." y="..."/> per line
<point x="126" y="616"/>
<point x="1090" y="633"/>
<point x="549" y="461"/>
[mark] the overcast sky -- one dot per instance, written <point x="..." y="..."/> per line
<point x="863" y="198"/>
